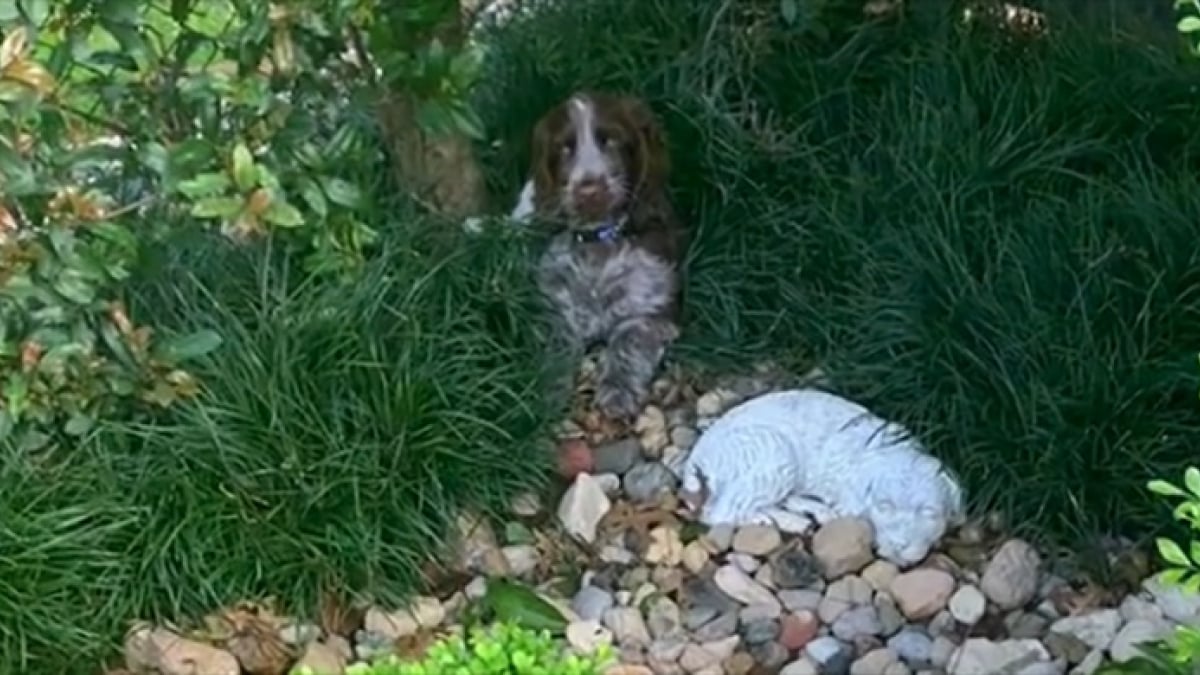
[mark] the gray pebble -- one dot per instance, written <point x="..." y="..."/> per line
<point x="769" y="656"/>
<point x="831" y="655"/>
<point x="696" y="617"/>
<point x="684" y="437"/>
<point x="1025" y="625"/>
<point x="590" y="603"/>
<point x="718" y="629"/>
<point x="617" y="457"/>
<point x="913" y="646"/>
<point x="647" y="481"/>
<point x="798" y="600"/>
<point x="890" y="618"/>
<point x="760" y="632"/>
<point x="856" y="622"/>
<point x="795" y="568"/>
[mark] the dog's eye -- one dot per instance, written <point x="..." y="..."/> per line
<point x="605" y="139"/>
<point x="567" y="147"/>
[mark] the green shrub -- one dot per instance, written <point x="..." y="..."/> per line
<point x="992" y="243"/>
<point x="341" y="429"/>
<point x="503" y="649"/>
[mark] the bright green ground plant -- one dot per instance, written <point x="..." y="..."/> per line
<point x="502" y="649"/>
<point x="1183" y="564"/>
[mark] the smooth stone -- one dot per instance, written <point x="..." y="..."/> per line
<point x="759" y="632"/>
<point x="843" y="546"/>
<point x="628" y="626"/>
<point x="980" y="656"/>
<point x="591" y="602"/>
<point x="912" y="646"/>
<point x="582" y="508"/>
<point x="831" y="656"/>
<point x="802" y="666"/>
<point x="718" y="629"/>
<point x="1125" y="644"/>
<point x="967" y="605"/>
<point x="648" y="481"/>
<point x="797" y="630"/>
<point x="769" y="655"/>
<point x="856" y="622"/>
<point x="922" y="593"/>
<point x="756" y="540"/>
<point x="874" y="662"/>
<point x="738" y="585"/>
<point x="799" y="600"/>
<point x="1010" y="579"/>
<point x="795" y="569"/>
<point x="1095" y="629"/>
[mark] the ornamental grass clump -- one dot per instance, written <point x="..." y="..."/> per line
<point x="992" y="241"/>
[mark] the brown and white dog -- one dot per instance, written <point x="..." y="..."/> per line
<point x="611" y="269"/>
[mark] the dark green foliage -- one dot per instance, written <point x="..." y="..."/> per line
<point x="341" y="428"/>
<point x="995" y="243"/>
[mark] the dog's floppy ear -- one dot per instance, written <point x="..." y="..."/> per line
<point x="544" y="154"/>
<point x="650" y="158"/>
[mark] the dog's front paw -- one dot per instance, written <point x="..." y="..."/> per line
<point x="618" y="402"/>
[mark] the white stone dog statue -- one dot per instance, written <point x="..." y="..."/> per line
<point x="790" y="458"/>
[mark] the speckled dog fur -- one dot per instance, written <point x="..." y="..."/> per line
<point x="600" y="168"/>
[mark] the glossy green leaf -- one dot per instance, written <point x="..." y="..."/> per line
<point x="78" y="425"/>
<point x="789" y="10"/>
<point x="1171" y="552"/>
<point x="55" y="359"/>
<point x="117" y="235"/>
<point x="342" y="192"/>
<point x="36" y="11"/>
<point x="74" y="287"/>
<point x="180" y="10"/>
<point x="1188" y="24"/>
<point x="245" y="175"/>
<point x="15" y="391"/>
<point x="1162" y="487"/>
<point x="282" y="214"/>
<point x="519" y="604"/>
<point x="217" y="207"/>
<point x="205" y="185"/>
<point x="181" y="348"/>
<point x="1191" y="479"/>
<point x="116" y="345"/>
<point x="120" y="11"/>
<point x="314" y="197"/>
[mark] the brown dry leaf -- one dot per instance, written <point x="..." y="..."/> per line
<point x="555" y="552"/>
<point x="625" y="516"/>
<point x="599" y="428"/>
<point x="14" y="47"/>
<point x="30" y="74"/>
<point x="338" y="616"/>
<point x="1073" y="602"/>
<point x="414" y="647"/>
<point x="8" y="223"/>
<point x="252" y="636"/>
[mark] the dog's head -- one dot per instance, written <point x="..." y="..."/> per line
<point x="594" y="155"/>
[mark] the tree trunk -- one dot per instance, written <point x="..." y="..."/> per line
<point x="441" y="172"/>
